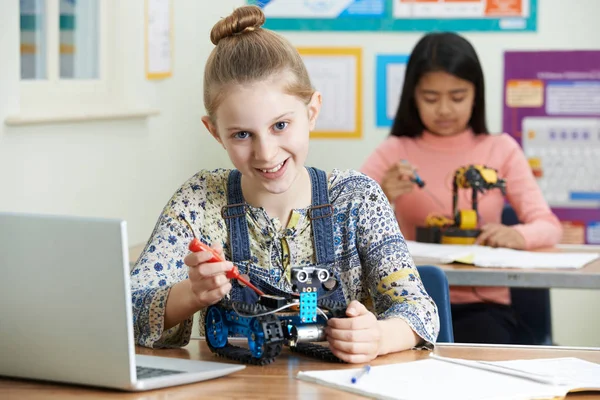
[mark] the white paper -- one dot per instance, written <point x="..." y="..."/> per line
<point x="573" y="372"/>
<point x="432" y="380"/>
<point x="483" y="256"/>
<point x="159" y="37"/>
<point x="507" y="258"/>
<point x="335" y="78"/>
<point x="439" y="253"/>
<point x="395" y="80"/>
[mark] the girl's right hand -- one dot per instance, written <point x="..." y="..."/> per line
<point x="208" y="281"/>
<point x="397" y="180"/>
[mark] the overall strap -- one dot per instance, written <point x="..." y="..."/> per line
<point x="234" y="214"/>
<point x="321" y="217"/>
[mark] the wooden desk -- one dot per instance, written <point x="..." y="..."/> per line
<point x="587" y="277"/>
<point x="278" y="380"/>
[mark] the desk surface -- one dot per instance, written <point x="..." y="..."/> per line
<point x="587" y="277"/>
<point x="278" y="379"/>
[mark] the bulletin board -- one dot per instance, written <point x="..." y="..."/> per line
<point x="400" y="15"/>
<point x="336" y="72"/>
<point x="552" y="107"/>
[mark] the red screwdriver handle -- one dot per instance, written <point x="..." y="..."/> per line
<point x="233" y="273"/>
<point x="196" y="245"/>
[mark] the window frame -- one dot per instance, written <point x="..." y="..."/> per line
<point x="55" y="100"/>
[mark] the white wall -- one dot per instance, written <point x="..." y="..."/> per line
<point x="124" y="169"/>
<point x="129" y="169"/>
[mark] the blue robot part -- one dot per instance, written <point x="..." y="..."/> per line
<point x="256" y="338"/>
<point x="216" y="330"/>
<point x="274" y="321"/>
<point x="308" y="307"/>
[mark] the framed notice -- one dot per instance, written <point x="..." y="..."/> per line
<point x="159" y="39"/>
<point x="389" y="79"/>
<point x="336" y="72"/>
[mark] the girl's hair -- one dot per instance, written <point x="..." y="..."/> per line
<point x="246" y="53"/>
<point x="447" y="52"/>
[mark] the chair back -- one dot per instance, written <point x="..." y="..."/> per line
<point x="436" y="284"/>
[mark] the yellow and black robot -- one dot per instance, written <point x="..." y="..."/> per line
<point x="464" y="228"/>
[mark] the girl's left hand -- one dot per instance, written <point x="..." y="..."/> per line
<point x="498" y="235"/>
<point x="355" y="339"/>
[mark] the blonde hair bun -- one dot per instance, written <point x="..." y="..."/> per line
<point x="245" y="52"/>
<point x="242" y="19"/>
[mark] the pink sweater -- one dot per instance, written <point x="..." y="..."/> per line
<point x="436" y="158"/>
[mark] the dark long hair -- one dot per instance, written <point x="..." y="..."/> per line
<point x="447" y="52"/>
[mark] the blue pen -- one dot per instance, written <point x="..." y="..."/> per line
<point x="363" y="371"/>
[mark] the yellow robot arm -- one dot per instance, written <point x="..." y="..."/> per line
<point x="489" y="175"/>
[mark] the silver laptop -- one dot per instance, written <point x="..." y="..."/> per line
<point x="65" y="308"/>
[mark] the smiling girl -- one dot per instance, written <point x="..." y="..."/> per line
<point x="272" y="213"/>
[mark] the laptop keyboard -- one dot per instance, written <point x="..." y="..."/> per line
<point x="147" y="372"/>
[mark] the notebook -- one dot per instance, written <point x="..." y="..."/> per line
<point x="484" y="256"/>
<point x="65" y="308"/>
<point x="449" y="378"/>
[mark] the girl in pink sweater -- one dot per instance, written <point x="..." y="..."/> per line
<point x="439" y="127"/>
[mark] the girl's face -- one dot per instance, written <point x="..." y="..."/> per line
<point x="445" y="103"/>
<point x="266" y="133"/>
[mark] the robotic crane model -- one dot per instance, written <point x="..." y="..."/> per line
<point x="463" y="229"/>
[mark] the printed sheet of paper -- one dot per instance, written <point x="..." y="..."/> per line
<point x="395" y="81"/>
<point x="413" y="380"/>
<point x="389" y="79"/>
<point x="570" y="371"/>
<point x="337" y="78"/>
<point x="483" y="256"/>
<point x="159" y="40"/>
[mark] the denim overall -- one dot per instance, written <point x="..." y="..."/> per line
<point x="321" y="218"/>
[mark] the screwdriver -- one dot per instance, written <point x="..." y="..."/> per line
<point x="196" y="245"/>
<point x="417" y="179"/>
<point x="421" y="183"/>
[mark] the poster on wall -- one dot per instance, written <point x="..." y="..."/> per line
<point x="336" y="72"/>
<point x="159" y="39"/>
<point x="389" y="79"/>
<point x="552" y="107"/>
<point x="399" y="15"/>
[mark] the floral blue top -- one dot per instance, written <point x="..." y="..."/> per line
<point x="371" y="255"/>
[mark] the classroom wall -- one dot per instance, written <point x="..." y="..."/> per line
<point x="122" y="169"/>
<point x="556" y="31"/>
<point x="129" y="169"/>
